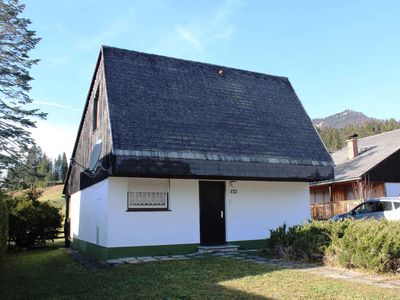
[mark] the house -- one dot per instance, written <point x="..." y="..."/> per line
<point x="191" y="154"/>
<point x="365" y="168"/>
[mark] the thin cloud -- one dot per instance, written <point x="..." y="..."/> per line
<point x="57" y="105"/>
<point x="191" y="39"/>
<point x="197" y="36"/>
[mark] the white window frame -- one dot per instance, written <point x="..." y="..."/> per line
<point x="143" y="188"/>
<point x="148" y="194"/>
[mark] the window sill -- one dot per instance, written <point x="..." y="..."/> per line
<point x="147" y="209"/>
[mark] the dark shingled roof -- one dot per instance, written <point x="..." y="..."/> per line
<point x="171" y="110"/>
<point x="373" y="150"/>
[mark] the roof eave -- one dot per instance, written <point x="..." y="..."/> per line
<point x="328" y="182"/>
<point x="201" y="168"/>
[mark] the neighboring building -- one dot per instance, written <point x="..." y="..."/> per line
<point x="192" y="154"/>
<point x="367" y="167"/>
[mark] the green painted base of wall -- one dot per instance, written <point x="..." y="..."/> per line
<point x="103" y="253"/>
<point x="152" y="250"/>
<point x="250" y="244"/>
<point x="94" y="250"/>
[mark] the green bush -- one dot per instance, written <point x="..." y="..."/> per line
<point x="307" y="241"/>
<point x="3" y="226"/>
<point x="369" y="244"/>
<point x="32" y="222"/>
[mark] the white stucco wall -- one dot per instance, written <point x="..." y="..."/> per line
<point x="249" y="214"/>
<point x="180" y="225"/>
<point x="88" y="213"/>
<point x="392" y="189"/>
<point x="260" y="206"/>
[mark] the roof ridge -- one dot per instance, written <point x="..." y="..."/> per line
<point x="378" y="134"/>
<point x="368" y="137"/>
<point x="193" y="61"/>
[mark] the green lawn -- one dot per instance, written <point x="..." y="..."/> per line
<point x="50" y="273"/>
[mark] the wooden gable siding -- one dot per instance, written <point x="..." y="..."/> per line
<point x="87" y="137"/>
<point x="387" y="170"/>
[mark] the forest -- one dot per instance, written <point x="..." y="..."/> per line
<point x="335" y="138"/>
<point x="36" y="170"/>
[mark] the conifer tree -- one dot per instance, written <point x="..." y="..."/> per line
<point x="57" y="169"/>
<point x="16" y="41"/>
<point x="64" y="167"/>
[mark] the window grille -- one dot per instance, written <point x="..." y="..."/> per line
<point x="147" y="194"/>
<point x="147" y="200"/>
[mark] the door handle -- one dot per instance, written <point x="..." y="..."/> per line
<point x="222" y="214"/>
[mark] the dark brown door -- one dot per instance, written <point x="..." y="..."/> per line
<point x="212" y="212"/>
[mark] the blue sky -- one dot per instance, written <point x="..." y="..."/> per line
<point x="337" y="54"/>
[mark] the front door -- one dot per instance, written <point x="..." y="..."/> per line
<point x="212" y="212"/>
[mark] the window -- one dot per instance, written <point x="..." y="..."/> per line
<point x="145" y="200"/>
<point x="147" y="194"/>
<point x="366" y="208"/>
<point x="95" y="110"/>
<point x="349" y="192"/>
<point x="396" y="205"/>
<point x="386" y="205"/>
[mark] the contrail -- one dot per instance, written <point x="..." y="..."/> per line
<point x="56" y="105"/>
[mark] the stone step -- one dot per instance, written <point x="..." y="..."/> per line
<point x="218" y="248"/>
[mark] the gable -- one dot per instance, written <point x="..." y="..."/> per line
<point x="94" y="126"/>
<point x="388" y="170"/>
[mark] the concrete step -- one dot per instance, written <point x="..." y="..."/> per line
<point x="218" y="248"/>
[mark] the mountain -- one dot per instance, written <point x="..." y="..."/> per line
<point x="343" y="119"/>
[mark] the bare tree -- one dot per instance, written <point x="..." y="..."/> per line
<point x="362" y="189"/>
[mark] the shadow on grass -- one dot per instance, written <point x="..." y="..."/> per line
<point x="49" y="272"/>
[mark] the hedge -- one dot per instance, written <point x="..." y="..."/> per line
<point x="368" y="244"/>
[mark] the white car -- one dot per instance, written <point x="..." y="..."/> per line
<point x="376" y="208"/>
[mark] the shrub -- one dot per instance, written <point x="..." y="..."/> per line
<point x="3" y="226"/>
<point x="307" y="241"/>
<point x="32" y="222"/>
<point x="369" y="244"/>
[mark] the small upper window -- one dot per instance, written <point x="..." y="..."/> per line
<point x="95" y="109"/>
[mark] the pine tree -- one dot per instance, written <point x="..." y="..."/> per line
<point x="16" y="41"/>
<point x="30" y="173"/>
<point x="57" y="168"/>
<point x="24" y="173"/>
<point x="64" y="167"/>
<point x="45" y="170"/>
